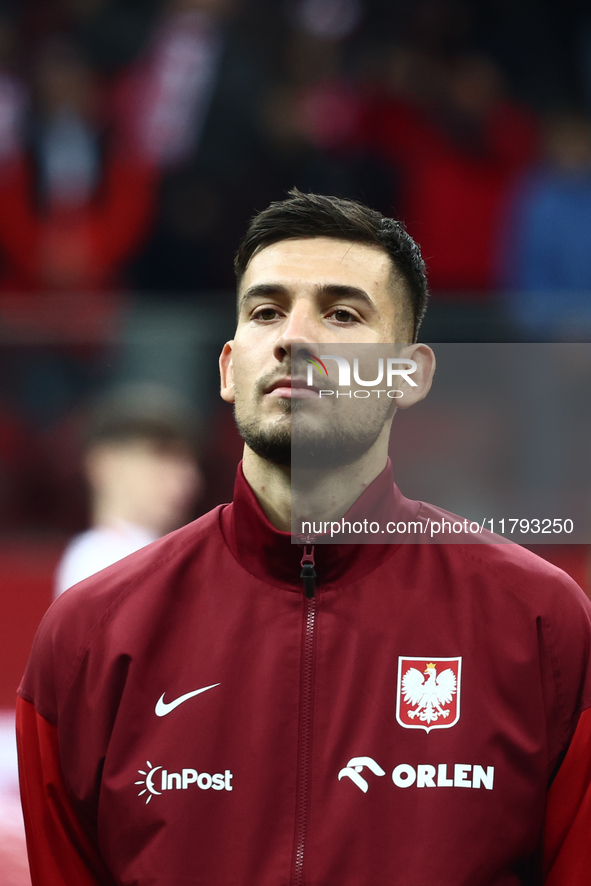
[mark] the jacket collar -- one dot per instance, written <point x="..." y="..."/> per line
<point x="269" y="554"/>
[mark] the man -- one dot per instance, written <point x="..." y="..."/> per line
<point x="226" y="707"/>
<point x="142" y="474"/>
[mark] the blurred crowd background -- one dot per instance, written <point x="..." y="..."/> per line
<point x="137" y="138"/>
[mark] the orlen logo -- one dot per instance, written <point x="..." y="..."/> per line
<point x="424" y="775"/>
<point x="354" y="768"/>
<point x="155" y="785"/>
<point x="394" y="366"/>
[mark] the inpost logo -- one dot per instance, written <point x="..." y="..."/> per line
<point x="157" y="780"/>
<point x="386" y="370"/>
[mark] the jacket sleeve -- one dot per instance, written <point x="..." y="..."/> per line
<point x="61" y="853"/>
<point x="567" y="831"/>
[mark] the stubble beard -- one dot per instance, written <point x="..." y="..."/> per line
<point x="292" y="442"/>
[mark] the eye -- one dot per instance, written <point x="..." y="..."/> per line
<point x="343" y="316"/>
<point x="265" y="314"/>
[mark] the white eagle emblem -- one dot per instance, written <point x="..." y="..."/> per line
<point x="426" y="696"/>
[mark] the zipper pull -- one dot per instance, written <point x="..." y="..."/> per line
<point x="308" y="573"/>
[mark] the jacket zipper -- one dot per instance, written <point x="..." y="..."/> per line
<point x="308" y="576"/>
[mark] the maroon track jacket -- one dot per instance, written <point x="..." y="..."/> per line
<point x="189" y="716"/>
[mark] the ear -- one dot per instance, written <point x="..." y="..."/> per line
<point x="227" y="373"/>
<point x="423" y="375"/>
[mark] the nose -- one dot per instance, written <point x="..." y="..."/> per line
<point x="301" y="327"/>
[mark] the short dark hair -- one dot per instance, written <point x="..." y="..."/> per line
<point x="142" y="411"/>
<point x="317" y="215"/>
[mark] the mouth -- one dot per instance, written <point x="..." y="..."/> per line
<point x="291" y="388"/>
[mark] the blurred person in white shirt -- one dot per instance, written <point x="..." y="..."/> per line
<point x="143" y="475"/>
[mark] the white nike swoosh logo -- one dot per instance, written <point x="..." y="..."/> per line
<point x="162" y="708"/>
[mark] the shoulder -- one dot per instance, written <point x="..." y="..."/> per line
<point x="491" y="562"/>
<point x="149" y="561"/>
<point x="522" y="609"/>
<point x="528" y="578"/>
<point x="116" y="605"/>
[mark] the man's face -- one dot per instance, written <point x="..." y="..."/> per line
<point x="298" y="292"/>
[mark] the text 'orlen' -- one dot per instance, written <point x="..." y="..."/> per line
<point x="425" y="775"/>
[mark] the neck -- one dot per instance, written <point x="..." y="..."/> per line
<point x="315" y="495"/>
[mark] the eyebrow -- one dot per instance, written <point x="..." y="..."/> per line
<point x="333" y="290"/>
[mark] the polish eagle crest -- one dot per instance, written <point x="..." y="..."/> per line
<point x="428" y="695"/>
